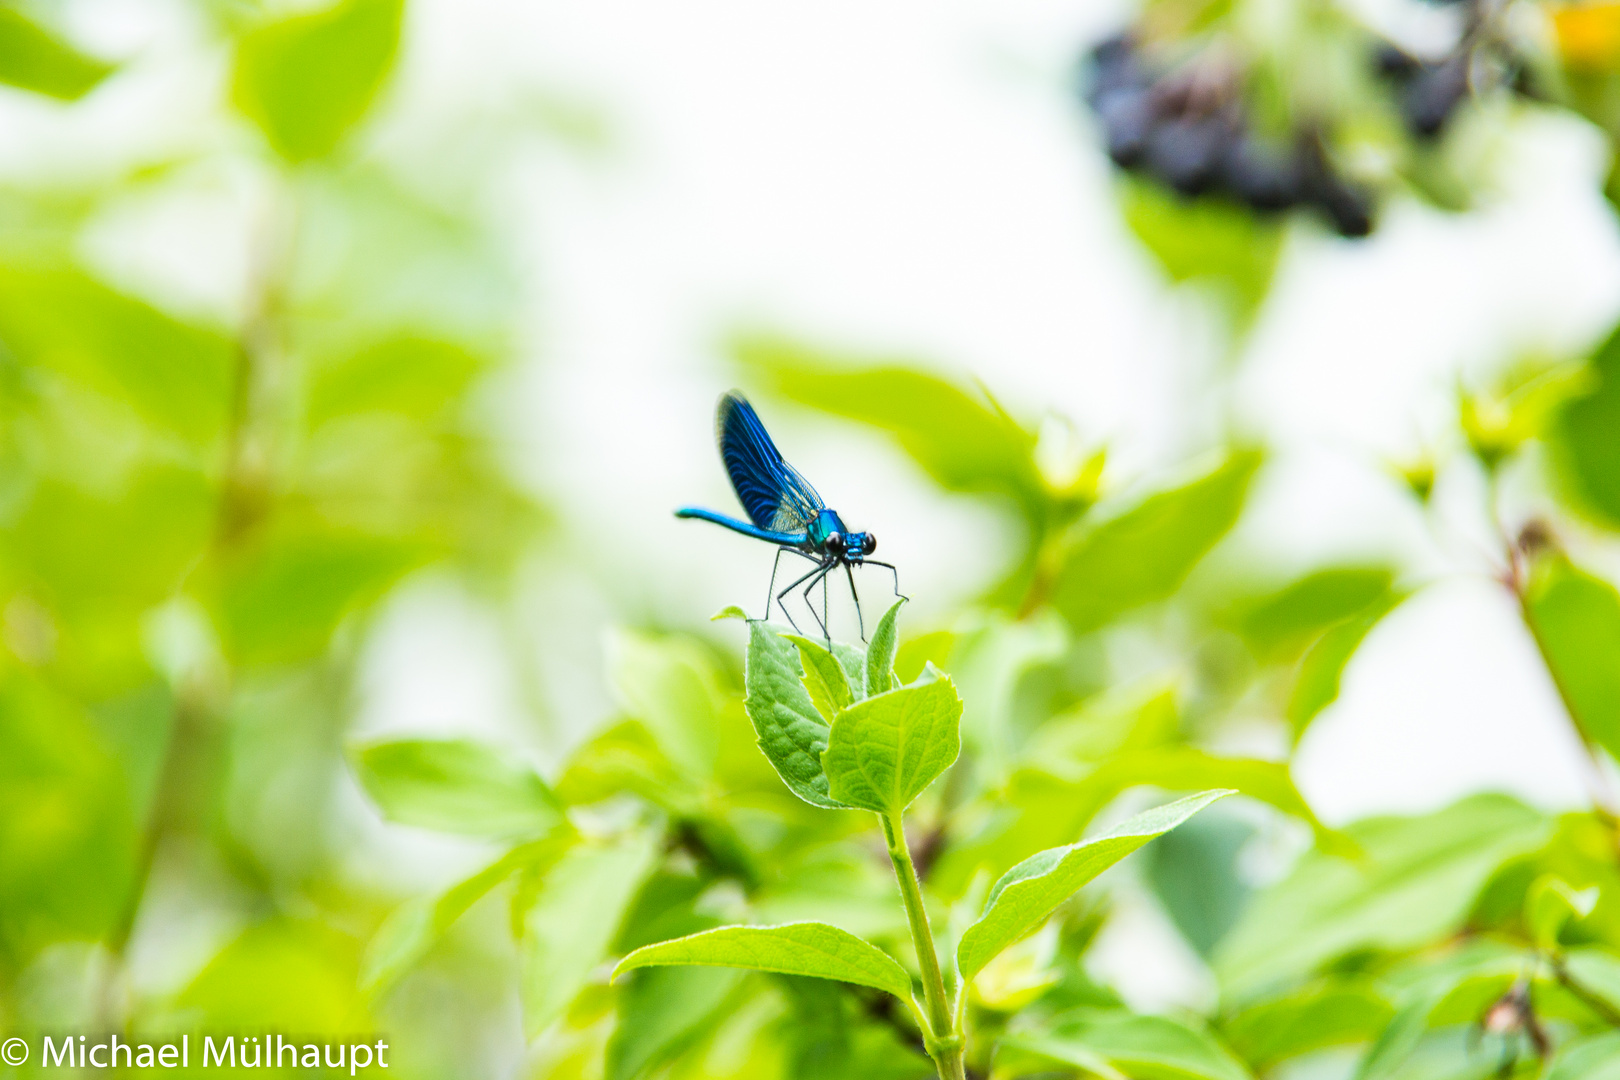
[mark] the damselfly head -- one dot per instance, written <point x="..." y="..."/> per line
<point x="860" y="545"/>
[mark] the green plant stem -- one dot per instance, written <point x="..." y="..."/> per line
<point x="944" y="1042"/>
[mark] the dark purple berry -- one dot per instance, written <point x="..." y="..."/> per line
<point x="1127" y="118"/>
<point x="1264" y="177"/>
<point x="1394" y="62"/>
<point x="1434" y="94"/>
<point x="1186" y="153"/>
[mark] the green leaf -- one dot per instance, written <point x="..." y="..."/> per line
<point x="1028" y="893"/>
<point x="824" y="677"/>
<point x="1596" y="970"/>
<point x="966" y="442"/>
<point x="1415" y="882"/>
<point x="807" y="948"/>
<point x="67" y="827"/>
<point x="282" y="597"/>
<point x="1205" y="240"/>
<point x="883" y="751"/>
<point x="1330" y="1014"/>
<point x="1141" y="1047"/>
<point x="574" y="918"/>
<point x="663" y="1012"/>
<point x="1316" y="683"/>
<point x="1550" y="904"/>
<point x="281" y="974"/>
<point x="307" y="80"/>
<point x="1575" y="618"/>
<point x="456" y="785"/>
<point x="1144" y="554"/>
<point x="1286" y="621"/>
<point x="1583" y="442"/>
<point x="174" y="375"/>
<point x="791" y="732"/>
<point x="404" y="375"/>
<point x="670" y="686"/>
<point x="411" y="932"/>
<point x="1596" y="1057"/>
<point x="31" y="58"/>
<point x="730" y="611"/>
<point x="1194" y="871"/>
<point x="880" y="677"/>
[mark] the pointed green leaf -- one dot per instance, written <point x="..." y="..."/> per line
<point x="1575" y="618"/>
<point x="306" y="80"/>
<point x="807" y="948"/>
<point x="824" y="677"/>
<point x="730" y="611"/>
<point x="882" y="752"/>
<point x="670" y="686"/>
<point x="1316" y="684"/>
<point x="1144" y="554"/>
<point x="1550" y="904"/>
<point x="456" y="785"/>
<point x="407" y="935"/>
<point x="33" y="59"/>
<point x="1021" y="901"/>
<point x="1148" y="1047"/>
<point x="1595" y="1057"/>
<point x="663" y="1013"/>
<point x="880" y="676"/>
<point x="791" y="732"/>
<point x="571" y="923"/>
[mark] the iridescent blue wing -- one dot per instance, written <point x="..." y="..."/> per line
<point x="774" y="494"/>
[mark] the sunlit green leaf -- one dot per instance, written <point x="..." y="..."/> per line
<point x="824" y="677"/>
<point x="573" y="920"/>
<point x="1576" y="621"/>
<point x="884" y="751"/>
<point x="814" y="949"/>
<point x="281" y="975"/>
<point x="1596" y="1057"/>
<point x="1205" y="240"/>
<point x="664" y="1011"/>
<point x="173" y="374"/>
<point x="306" y="80"/>
<point x="966" y="442"/>
<point x="1289" y="619"/>
<point x="456" y="785"/>
<point x="1551" y="904"/>
<point x="791" y="732"/>
<point x="34" y="59"/>
<point x="1028" y="893"/>
<point x="67" y="831"/>
<point x="1140" y="1047"/>
<point x="282" y="597"/>
<point x="409" y="376"/>
<point x="1596" y="970"/>
<point x="669" y="685"/>
<point x="1144" y="554"/>
<point x="1583" y="438"/>
<point x="880" y="677"/>
<point x="1415" y="881"/>
<point x="1331" y="1014"/>
<point x="1316" y="682"/>
<point x="412" y="930"/>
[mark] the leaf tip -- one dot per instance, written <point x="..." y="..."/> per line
<point x="730" y="611"/>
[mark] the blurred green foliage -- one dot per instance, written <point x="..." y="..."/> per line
<point x="201" y="518"/>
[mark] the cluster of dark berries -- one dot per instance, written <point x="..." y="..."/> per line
<point x="1187" y="128"/>
<point x="1428" y="91"/>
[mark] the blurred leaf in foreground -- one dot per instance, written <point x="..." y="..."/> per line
<point x="1416" y="882"/>
<point x="308" y="79"/>
<point x="1575" y="618"/>
<point x="1583" y="438"/>
<point x="966" y="442"/>
<point x="32" y="58"/>
<point x="1144" y="554"/>
<point x="456" y="785"/>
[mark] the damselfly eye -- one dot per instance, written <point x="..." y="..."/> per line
<point x="870" y="545"/>
<point x="835" y="543"/>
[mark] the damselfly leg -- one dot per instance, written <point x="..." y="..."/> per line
<point x="774" y="567"/>
<point x="825" y="569"/>
<point x="892" y="570"/>
<point x="820" y="568"/>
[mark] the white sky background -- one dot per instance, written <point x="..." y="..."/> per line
<point x="916" y="178"/>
